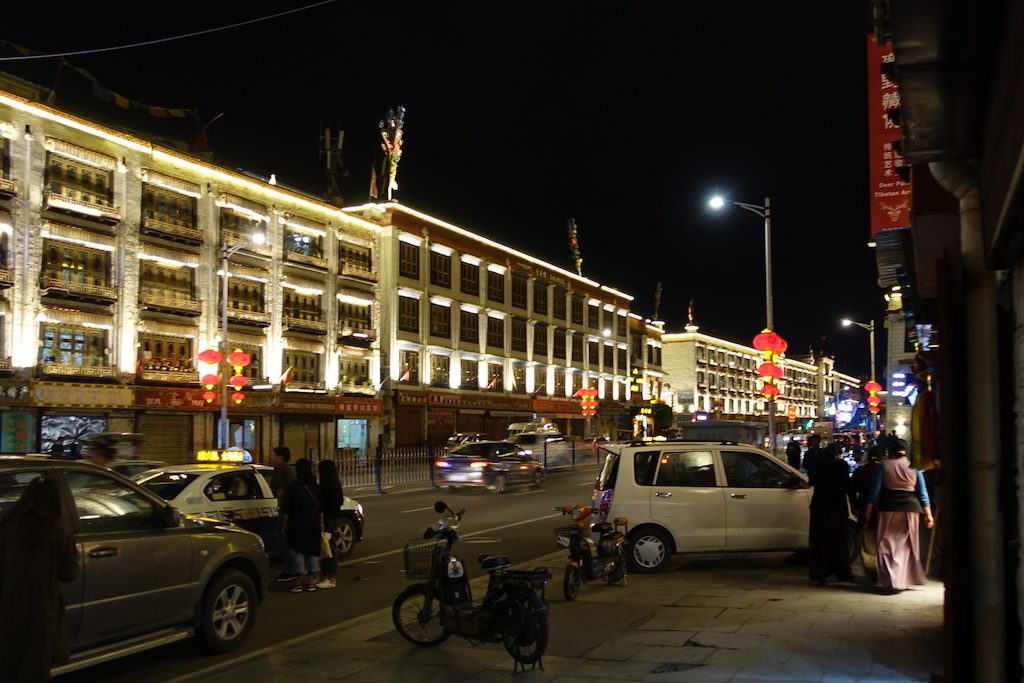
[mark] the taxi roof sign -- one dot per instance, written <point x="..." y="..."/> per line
<point x="227" y="455"/>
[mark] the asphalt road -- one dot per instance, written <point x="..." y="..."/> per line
<point x="518" y="523"/>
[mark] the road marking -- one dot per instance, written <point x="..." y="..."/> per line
<point x="526" y="493"/>
<point x="429" y="507"/>
<point x="461" y="536"/>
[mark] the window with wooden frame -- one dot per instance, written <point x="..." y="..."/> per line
<point x="69" y="262"/>
<point x="168" y="207"/>
<point x="593" y="316"/>
<point x="440" y="269"/>
<point x="440" y="369"/>
<point x="244" y="295"/>
<point x="558" y="306"/>
<point x="559" y="382"/>
<point x="78" y="181"/>
<point x="470" y="373"/>
<point x="518" y="331"/>
<point x="469" y="281"/>
<point x="238" y="227"/>
<point x="540" y="298"/>
<point x="469" y="327"/>
<point x="172" y="282"/>
<point x="305" y="365"/>
<point x="254" y="370"/>
<point x="495" y="377"/>
<point x="408" y="314"/>
<point x="83" y="347"/>
<point x="540" y="341"/>
<point x="353" y="370"/>
<point x="358" y="317"/>
<point x="440" y="321"/>
<point x="301" y="306"/>
<point x="518" y="298"/>
<point x="303" y="243"/>
<point x="410" y="362"/>
<point x="495" y="287"/>
<point x="577" y="309"/>
<point x="165" y="353"/>
<point x="540" y="379"/>
<point x="518" y="378"/>
<point x="577" y="349"/>
<point x="593" y="354"/>
<point x="621" y="325"/>
<point x="409" y="260"/>
<point x="558" y="344"/>
<point x="355" y="256"/>
<point x="495" y="333"/>
<point x="621" y="356"/>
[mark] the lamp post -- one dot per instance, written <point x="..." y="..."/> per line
<point x="870" y="327"/>
<point x="764" y="211"/>
<point x="226" y="253"/>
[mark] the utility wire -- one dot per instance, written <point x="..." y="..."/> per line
<point x="129" y="46"/>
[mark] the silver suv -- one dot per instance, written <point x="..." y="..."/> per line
<point x="701" y="497"/>
<point x="148" y="576"/>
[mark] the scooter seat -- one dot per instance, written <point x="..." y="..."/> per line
<point x="489" y="563"/>
<point x="602" y="527"/>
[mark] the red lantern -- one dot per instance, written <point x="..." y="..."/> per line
<point x="237" y="397"/>
<point x="872" y="387"/>
<point x="769" y="341"/>
<point x="770" y="391"/>
<point x="210" y="356"/>
<point x="873" y="410"/>
<point x="209" y="396"/>
<point x="770" y="370"/>
<point x="238" y="359"/>
<point x="238" y="381"/>
<point x="874" y="400"/>
<point x="210" y="381"/>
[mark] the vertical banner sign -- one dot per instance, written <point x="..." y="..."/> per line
<point x="16" y="431"/>
<point x="890" y="195"/>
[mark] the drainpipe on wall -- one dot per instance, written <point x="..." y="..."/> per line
<point x="982" y="405"/>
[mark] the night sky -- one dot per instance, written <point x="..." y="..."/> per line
<point x="624" y="116"/>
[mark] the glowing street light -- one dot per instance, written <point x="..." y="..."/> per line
<point x="870" y="327"/>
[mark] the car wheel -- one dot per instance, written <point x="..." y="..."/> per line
<point x="499" y="484"/>
<point x="649" y="551"/>
<point x="228" y="611"/>
<point x="344" y="538"/>
<point x="538" y="478"/>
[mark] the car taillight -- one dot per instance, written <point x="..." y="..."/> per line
<point x="441" y="464"/>
<point x="479" y="465"/>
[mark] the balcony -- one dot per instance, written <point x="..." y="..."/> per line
<point x="306" y="387"/>
<point x="360" y="339"/>
<point x="111" y="215"/>
<point x="357" y="270"/>
<point x="78" y="291"/>
<point x="6" y="278"/>
<point x="177" y="233"/>
<point x="233" y="239"/>
<point x="252" y="318"/>
<point x="315" y="261"/>
<point x="357" y="389"/>
<point x="170" y="304"/>
<point x="169" y="376"/>
<point x="8" y="188"/>
<point x="78" y="371"/>
<point x="303" y="325"/>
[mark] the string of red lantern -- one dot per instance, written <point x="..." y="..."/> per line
<point x="874" y="400"/>
<point x="771" y="346"/>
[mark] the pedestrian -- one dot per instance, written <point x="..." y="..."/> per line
<point x="303" y="522"/>
<point x="899" y="497"/>
<point x="814" y="453"/>
<point x="75" y="451"/>
<point x="860" y="486"/>
<point x="57" y="449"/>
<point x="100" y="453"/>
<point x="37" y="550"/>
<point x="793" y="453"/>
<point x="282" y="475"/>
<point x="333" y="498"/>
<point x="827" y="549"/>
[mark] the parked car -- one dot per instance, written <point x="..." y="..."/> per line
<point x="240" y="493"/>
<point x="699" y="497"/>
<point x="494" y="465"/>
<point x="149" y="575"/>
<point x="533" y="442"/>
<point x="132" y="466"/>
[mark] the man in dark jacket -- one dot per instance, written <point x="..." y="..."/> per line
<point x="814" y="453"/>
<point x="827" y="550"/>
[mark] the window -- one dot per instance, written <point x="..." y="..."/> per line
<point x="558" y="305"/>
<point x="168" y="207"/>
<point x="354" y="257"/>
<point x="606" y="357"/>
<point x="303" y="244"/>
<point x="409" y="260"/>
<point x="692" y="468"/>
<point x="469" y="327"/>
<point x="593" y="354"/>
<point x="577" y="309"/>
<point x="305" y="366"/>
<point x="540" y="298"/>
<point x="104" y="504"/>
<point x="354" y="316"/>
<point x="410" y="361"/>
<point x="559" y="382"/>
<point x="540" y="341"/>
<point x="577" y="349"/>
<point x="621" y="325"/>
<point x="169" y="354"/>
<point x="558" y="345"/>
<point x="83" y="347"/>
<point x="244" y="294"/>
<point x="165" y="282"/>
<point x="540" y="380"/>
<point x="233" y="486"/>
<point x="496" y="287"/>
<point x="593" y="316"/>
<point x="440" y="321"/>
<point x="470" y="280"/>
<point x="621" y="353"/>
<point x="645" y="463"/>
<point x="470" y="374"/>
<point x="12" y="485"/>
<point x="519" y="334"/>
<point x="301" y="306"/>
<point x="700" y="377"/>
<point x="78" y="181"/>
<point x="519" y="291"/>
<point x="519" y="378"/>
<point x="636" y="346"/>
<point x="440" y="367"/>
<point x="495" y="333"/>
<point x="495" y="374"/>
<point x="440" y="269"/>
<point x="353" y="371"/>
<point x="750" y="470"/>
<point x="237" y="227"/>
<point x="408" y="314"/>
<point x="254" y="369"/>
<point x="69" y="262"/>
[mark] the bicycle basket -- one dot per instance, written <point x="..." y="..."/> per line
<point x="562" y="536"/>
<point x="419" y="557"/>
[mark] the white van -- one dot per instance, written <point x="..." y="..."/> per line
<point x="529" y="428"/>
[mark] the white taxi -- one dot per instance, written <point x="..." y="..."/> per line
<point x="241" y="494"/>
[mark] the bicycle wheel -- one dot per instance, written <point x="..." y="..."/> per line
<point x="411" y="623"/>
<point x="571" y="583"/>
<point x="525" y="631"/>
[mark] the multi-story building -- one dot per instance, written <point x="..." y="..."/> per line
<point x="475" y="335"/>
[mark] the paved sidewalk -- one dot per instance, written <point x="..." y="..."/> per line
<point x="712" y="619"/>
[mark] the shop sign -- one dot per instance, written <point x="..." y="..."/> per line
<point x="359" y="406"/>
<point x="67" y="395"/>
<point x="545" y="405"/>
<point x="169" y="399"/>
<point x="14" y="392"/>
<point x="307" y="404"/>
<point x="16" y="433"/>
<point x="890" y="194"/>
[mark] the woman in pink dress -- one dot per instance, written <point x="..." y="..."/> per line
<point x="899" y="496"/>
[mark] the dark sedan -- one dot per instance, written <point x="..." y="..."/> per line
<point x="494" y="465"/>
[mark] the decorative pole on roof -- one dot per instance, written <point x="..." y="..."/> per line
<point x="574" y="247"/>
<point x="391" y="139"/>
<point x="657" y="301"/>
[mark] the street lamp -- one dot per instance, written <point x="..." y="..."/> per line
<point x="764" y="211"/>
<point x="257" y="238"/>
<point x="870" y="327"/>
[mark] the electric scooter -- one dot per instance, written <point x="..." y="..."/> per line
<point x="589" y="561"/>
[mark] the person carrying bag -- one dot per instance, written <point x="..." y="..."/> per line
<point x="330" y="487"/>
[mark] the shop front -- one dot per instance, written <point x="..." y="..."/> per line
<point x="66" y="414"/>
<point x="430" y="417"/>
<point x="564" y="413"/>
<point x="357" y="421"/>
